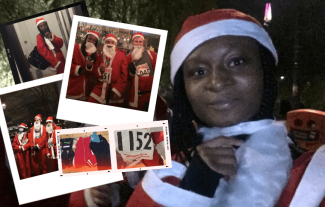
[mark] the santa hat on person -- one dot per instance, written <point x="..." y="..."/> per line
<point x="39" y="20"/>
<point x="220" y="22"/>
<point x="96" y="34"/>
<point x="138" y="34"/>
<point x="23" y="125"/>
<point x="110" y="36"/>
<point x="39" y="116"/>
<point x="50" y="118"/>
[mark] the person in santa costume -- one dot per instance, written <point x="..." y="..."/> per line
<point x="229" y="150"/>
<point x="83" y="59"/>
<point x="48" y="45"/>
<point x="112" y="74"/>
<point x="142" y="65"/>
<point x="37" y="138"/>
<point x="21" y="147"/>
<point x="51" y="151"/>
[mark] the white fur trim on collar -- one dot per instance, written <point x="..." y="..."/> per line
<point x="209" y="31"/>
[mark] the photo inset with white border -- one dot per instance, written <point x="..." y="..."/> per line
<point x="112" y="68"/>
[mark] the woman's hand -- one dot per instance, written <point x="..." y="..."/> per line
<point x="219" y="154"/>
<point x="101" y="195"/>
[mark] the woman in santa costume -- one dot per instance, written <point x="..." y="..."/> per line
<point x="112" y="74"/>
<point x="48" y="45"/>
<point x="142" y="65"/>
<point x="51" y="151"/>
<point x="21" y="146"/>
<point x="84" y="56"/>
<point x="37" y="138"/>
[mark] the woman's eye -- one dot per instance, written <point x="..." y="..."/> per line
<point x="200" y="72"/>
<point x="236" y="62"/>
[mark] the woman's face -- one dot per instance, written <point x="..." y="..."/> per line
<point x="224" y="80"/>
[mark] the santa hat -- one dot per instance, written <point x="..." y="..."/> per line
<point x="96" y="34"/>
<point x="110" y="37"/>
<point x="23" y="125"/>
<point x="39" y="116"/>
<point x="39" y="20"/>
<point x="138" y="34"/>
<point x="50" y="118"/>
<point x="203" y="27"/>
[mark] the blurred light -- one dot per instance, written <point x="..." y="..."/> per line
<point x="268" y="13"/>
<point x="4" y="106"/>
<point x="282" y="77"/>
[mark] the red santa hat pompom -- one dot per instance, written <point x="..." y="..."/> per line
<point x="23" y="125"/>
<point x="39" y="20"/>
<point x="50" y="118"/>
<point x="96" y="34"/>
<point x="110" y="37"/>
<point x="138" y="34"/>
<point x="220" y="22"/>
<point x="39" y="116"/>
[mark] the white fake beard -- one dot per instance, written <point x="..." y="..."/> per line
<point x="20" y="135"/>
<point x="90" y="47"/>
<point x="109" y="51"/>
<point x="49" y="129"/>
<point x="37" y="127"/>
<point x="137" y="52"/>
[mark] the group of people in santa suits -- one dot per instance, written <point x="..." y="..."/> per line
<point x="39" y="144"/>
<point x="49" y="46"/>
<point x="113" y="70"/>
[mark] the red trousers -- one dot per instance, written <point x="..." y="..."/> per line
<point x="54" y="164"/>
<point x="23" y="164"/>
<point x="35" y="161"/>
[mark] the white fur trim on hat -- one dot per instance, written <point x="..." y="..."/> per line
<point x="109" y="38"/>
<point x="40" y="21"/>
<point x="93" y="34"/>
<point x="138" y="35"/>
<point x="199" y="35"/>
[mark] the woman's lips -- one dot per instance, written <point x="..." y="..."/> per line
<point x="223" y="104"/>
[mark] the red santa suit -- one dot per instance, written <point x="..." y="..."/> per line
<point x="140" y="90"/>
<point x="83" y="154"/>
<point x="51" y="149"/>
<point x="78" y="85"/>
<point x="21" y="146"/>
<point x="117" y="78"/>
<point x="55" y="56"/>
<point x="38" y="140"/>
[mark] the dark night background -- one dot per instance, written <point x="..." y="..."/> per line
<point x="297" y="30"/>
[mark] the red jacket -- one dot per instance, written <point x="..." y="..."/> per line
<point x="25" y="143"/>
<point x="41" y="142"/>
<point x="78" y="85"/>
<point x="54" y="58"/>
<point x="143" y="83"/>
<point x="83" y="155"/>
<point x="119" y="77"/>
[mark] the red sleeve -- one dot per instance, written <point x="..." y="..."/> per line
<point x="77" y="199"/>
<point x="46" y="53"/>
<point x="15" y="145"/>
<point x="57" y="41"/>
<point x="128" y="61"/>
<point x="28" y="144"/>
<point x="76" y="61"/>
<point x="30" y="137"/>
<point x="44" y="140"/>
<point x="157" y="137"/>
<point x="154" y="60"/>
<point x="123" y="79"/>
<point x="298" y="170"/>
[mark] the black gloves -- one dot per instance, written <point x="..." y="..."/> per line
<point x="35" y="148"/>
<point x="132" y="68"/>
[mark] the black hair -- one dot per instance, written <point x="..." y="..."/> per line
<point x="83" y="49"/>
<point x="183" y="132"/>
<point x="42" y="33"/>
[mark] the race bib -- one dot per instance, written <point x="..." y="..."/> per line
<point x="143" y="70"/>
<point x="134" y="145"/>
<point x="106" y="75"/>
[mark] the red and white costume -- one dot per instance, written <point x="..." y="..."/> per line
<point x="83" y="154"/>
<point x="51" y="150"/>
<point x="140" y="83"/>
<point x="118" y="74"/>
<point x="21" y="146"/>
<point x="54" y="56"/>
<point x="38" y="139"/>
<point x="78" y="86"/>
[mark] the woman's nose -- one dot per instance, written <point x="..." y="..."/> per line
<point x="220" y="79"/>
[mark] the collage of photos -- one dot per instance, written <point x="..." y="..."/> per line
<point x="113" y="66"/>
<point x="113" y="148"/>
<point x="37" y="47"/>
